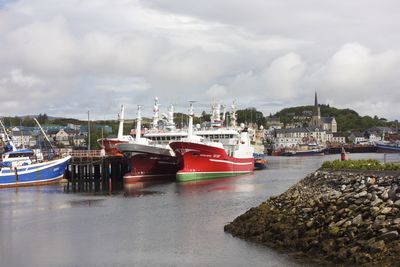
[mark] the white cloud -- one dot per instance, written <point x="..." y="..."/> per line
<point x="217" y="92"/>
<point x="70" y="56"/>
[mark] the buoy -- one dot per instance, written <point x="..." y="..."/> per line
<point x="343" y="155"/>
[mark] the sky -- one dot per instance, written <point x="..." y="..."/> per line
<point x="66" y="57"/>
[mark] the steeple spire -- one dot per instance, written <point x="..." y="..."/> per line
<point x="316" y="100"/>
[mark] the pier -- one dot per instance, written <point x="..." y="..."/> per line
<point x="92" y="171"/>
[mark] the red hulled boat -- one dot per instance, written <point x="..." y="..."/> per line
<point x="148" y="160"/>
<point x="208" y="158"/>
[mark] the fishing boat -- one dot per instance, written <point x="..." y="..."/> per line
<point x="109" y="143"/>
<point x="148" y="160"/>
<point x="260" y="161"/>
<point x="301" y="150"/>
<point x="207" y="158"/>
<point x="388" y="147"/>
<point x="20" y="167"/>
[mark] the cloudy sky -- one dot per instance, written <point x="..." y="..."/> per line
<point x="67" y="57"/>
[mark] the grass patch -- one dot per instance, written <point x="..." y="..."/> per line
<point x="368" y="164"/>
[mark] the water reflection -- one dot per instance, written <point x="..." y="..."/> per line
<point x="138" y="189"/>
<point x="158" y="223"/>
<point x="86" y="203"/>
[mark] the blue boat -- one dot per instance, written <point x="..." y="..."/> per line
<point x="21" y="167"/>
<point x="18" y="169"/>
<point x="386" y="147"/>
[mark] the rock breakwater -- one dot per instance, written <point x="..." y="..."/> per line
<point x="341" y="217"/>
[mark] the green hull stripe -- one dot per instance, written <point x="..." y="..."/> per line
<point x="192" y="176"/>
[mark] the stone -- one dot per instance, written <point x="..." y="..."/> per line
<point x="328" y="245"/>
<point x="370" y="180"/>
<point x="386" y="210"/>
<point x="385" y="195"/>
<point x="378" y="246"/>
<point x="376" y="202"/>
<point x="357" y="220"/>
<point x="389" y="236"/>
<point x="341" y="222"/>
<point x="342" y="253"/>
<point x="361" y="194"/>
<point x="397" y="203"/>
<point x="392" y="192"/>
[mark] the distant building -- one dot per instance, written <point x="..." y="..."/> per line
<point x="273" y="123"/>
<point x="324" y="123"/>
<point x="358" y="138"/>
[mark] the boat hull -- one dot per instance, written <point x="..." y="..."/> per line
<point x="35" y="174"/>
<point x="260" y="163"/>
<point x="387" y="149"/>
<point x="146" y="167"/>
<point x="200" y="161"/>
<point x="149" y="163"/>
<point x="309" y="153"/>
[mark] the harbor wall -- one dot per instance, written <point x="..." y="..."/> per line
<point x="338" y="217"/>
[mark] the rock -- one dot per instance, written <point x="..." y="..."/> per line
<point x="392" y="192"/>
<point x="328" y="245"/>
<point x="378" y="246"/>
<point x="350" y="219"/>
<point x="370" y="180"/>
<point x="357" y="220"/>
<point x="342" y="253"/>
<point x="388" y="236"/>
<point x="376" y="202"/>
<point x="341" y="222"/>
<point x="361" y="194"/>
<point x="386" y="210"/>
<point x="385" y="195"/>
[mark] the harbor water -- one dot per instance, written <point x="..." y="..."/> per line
<point x="162" y="224"/>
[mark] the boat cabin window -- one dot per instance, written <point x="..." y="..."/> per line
<point x="19" y="155"/>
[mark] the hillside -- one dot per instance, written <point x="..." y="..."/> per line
<point x="347" y="119"/>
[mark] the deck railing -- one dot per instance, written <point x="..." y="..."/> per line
<point x="87" y="153"/>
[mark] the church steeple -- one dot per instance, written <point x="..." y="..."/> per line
<point x="316" y="100"/>
<point x="316" y="119"/>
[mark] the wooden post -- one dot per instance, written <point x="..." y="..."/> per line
<point x="104" y="175"/>
<point x="97" y="177"/>
<point x="73" y="177"/>
<point x="80" y="174"/>
<point x="90" y="177"/>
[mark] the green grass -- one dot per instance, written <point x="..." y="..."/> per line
<point x="368" y="164"/>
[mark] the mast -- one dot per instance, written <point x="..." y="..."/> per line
<point x="9" y="140"/>
<point x="223" y="113"/>
<point x="155" y="113"/>
<point x="138" y="123"/>
<point x="171" y="114"/>
<point x="4" y="130"/>
<point x="121" y="123"/>
<point x="44" y="134"/>
<point x="233" y="114"/>
<point x="191" y="114"/>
